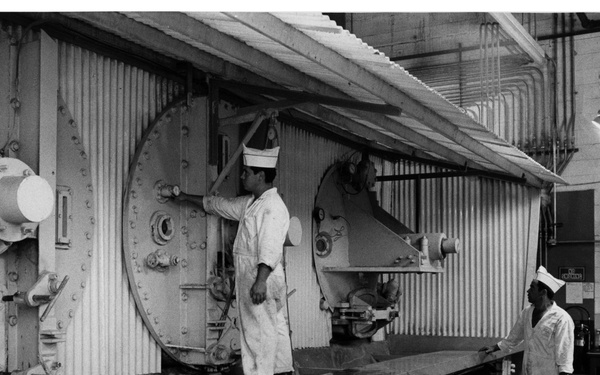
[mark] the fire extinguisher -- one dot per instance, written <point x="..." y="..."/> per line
<point x="582" y="346"/>
<point x="582" y="337"/>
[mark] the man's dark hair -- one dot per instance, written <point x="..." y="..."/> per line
<point x="270" y="173"/>
<point x="549" y="292"/>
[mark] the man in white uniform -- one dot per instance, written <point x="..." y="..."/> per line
<point x="548" y="330"/>
<point x="258" y="252"/>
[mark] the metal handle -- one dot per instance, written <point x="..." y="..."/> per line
<point x="51" y="304"/>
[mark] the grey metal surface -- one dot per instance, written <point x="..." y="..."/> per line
<point x="351" y="248"/>
<point x="171" y="249"/>
<point x="483" y="288"/>
<point x="78" y="217"/>
<point x="436" y="363"/>
<point x="301" y="169"/>
<point x="111" y="103"/>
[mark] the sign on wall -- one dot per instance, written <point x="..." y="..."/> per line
<point x="571" y="274"/>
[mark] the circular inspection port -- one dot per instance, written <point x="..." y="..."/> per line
<point x="323" y="244"/>
<point x="163" y="227"/>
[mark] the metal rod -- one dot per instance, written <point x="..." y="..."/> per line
<point x="213" y="122"/>
<point x="418" y="205"/>
<point x="257" y="121"/>
<point x="315" y="98"/>
<point x="419" y="176"/>
<point x="182" y="347"/>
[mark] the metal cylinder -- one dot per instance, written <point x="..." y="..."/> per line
<point x="450" y="246"/>
<point x="294" y="234"/>
<point x="25" y="199"/>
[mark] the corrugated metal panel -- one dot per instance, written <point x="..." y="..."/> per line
<point x="303" y="162"/>
<point x="112" y="103"/>
<point x="326" y="32"/>
<point x="483" y="287"/>
<point x="374" y="79"/>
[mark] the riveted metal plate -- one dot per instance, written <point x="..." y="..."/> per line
<point x="331" y="232"/>
<point x="179" y="293"/>
<point x="351" y="247"/>
<point x="73" y="178"/>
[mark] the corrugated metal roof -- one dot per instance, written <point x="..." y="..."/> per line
<point x="308" y="52"/>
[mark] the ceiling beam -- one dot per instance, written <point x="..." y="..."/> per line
<point x="156" y="40"/>
<point x="283" y="33"/>
<point x="138" y="32"/>
<point x="340" y="125"/>
<point x="518" y="33"/>
<point x="314" y="98"/>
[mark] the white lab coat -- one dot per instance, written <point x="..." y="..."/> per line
<point x="548" y="346"/>
<point x="263" y="226"/>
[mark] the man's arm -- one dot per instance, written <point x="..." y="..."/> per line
<point x="514" y="338"/>
<point x="490" y="349"/>
<point x="564" y="344"/>
<point x="197" y="200"/>
<point x="258" y="292"/>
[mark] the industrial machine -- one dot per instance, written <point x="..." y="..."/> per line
<point x="178" y="259"/>
<point x="355" y="241"/>
<point x="46" y="279"/>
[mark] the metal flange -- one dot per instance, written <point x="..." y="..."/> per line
<point x="76" y="215"/>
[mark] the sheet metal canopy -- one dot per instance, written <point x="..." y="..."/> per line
<point x="307" y="52"/>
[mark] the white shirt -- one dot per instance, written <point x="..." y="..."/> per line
<point x="263" y="226"/>
<point x="548" y="346"/>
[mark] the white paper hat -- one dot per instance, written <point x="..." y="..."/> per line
<point x="544" y="276"/>
<point x="260" y="158"/>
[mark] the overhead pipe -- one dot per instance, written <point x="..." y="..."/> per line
<point x="505" y="44"/>
<point x="498" y="69"/>
<point x="538" y="134"/>
<point x="519" y="121"/>
<point x="586" y="23"/>
<point x="481" y="60"/>
<point x="471" y="93"/>
<point x="516" y="31"/>
<point x="571" y="133"/>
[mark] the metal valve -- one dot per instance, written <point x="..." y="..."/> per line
<point x="163" y="191"/>
<point x="160" y="261"/>
<point x="169" y="191"/>
<point x="45" y="290"/>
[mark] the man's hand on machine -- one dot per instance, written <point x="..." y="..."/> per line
<point x="175" y="193"/>
<point x="490" y="349"/>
